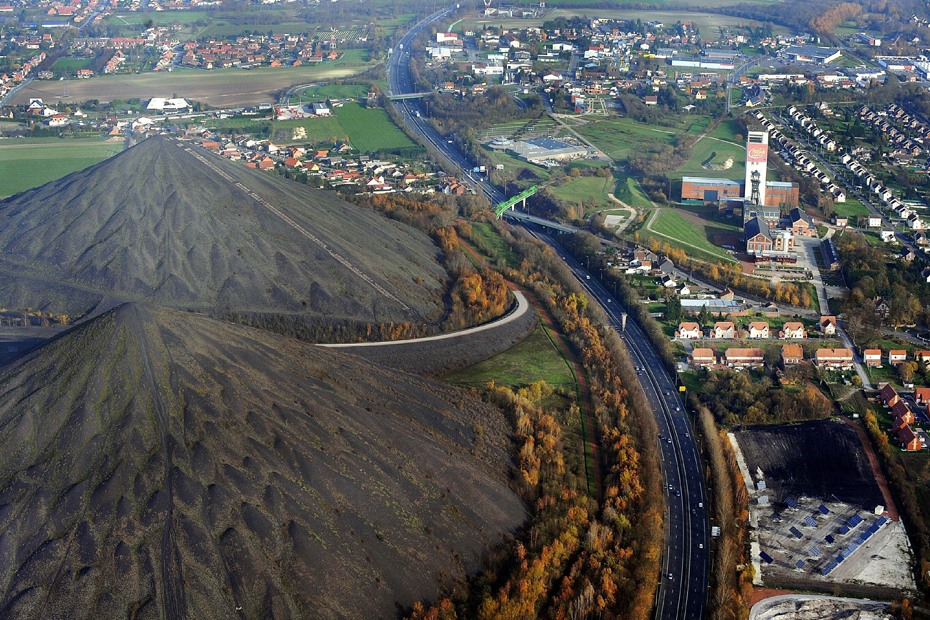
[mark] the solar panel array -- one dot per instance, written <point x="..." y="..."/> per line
<point x="845" y="526"/>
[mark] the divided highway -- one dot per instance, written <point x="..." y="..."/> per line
<point x="401" y="83"/>
<point x="683" y="587"/>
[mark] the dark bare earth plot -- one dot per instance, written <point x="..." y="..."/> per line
<point x="821" y="459"/>
<point x="819" y="522"/>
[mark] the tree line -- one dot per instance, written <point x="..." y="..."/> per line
<point x="576" y="558"/>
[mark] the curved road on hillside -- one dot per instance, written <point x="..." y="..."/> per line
<point x="520" y="309"/>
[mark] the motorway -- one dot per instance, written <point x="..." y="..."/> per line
<point x="400" y="83"/>
<point x="683" y="588"/>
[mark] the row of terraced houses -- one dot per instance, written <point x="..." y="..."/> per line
<point x="903" y="416"/>
<point x="688" y="330"/>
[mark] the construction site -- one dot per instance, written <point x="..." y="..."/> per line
<point x="819" y="519"/>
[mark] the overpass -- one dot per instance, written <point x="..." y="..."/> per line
<point x="521" y="197"/>
<point x="532" y="219"/>
<point x="408" y="96"/>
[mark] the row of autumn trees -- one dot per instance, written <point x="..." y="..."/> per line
<point x="731" y="589"/>
<point x="476" y="295"/>
<point x="576" y="558"/>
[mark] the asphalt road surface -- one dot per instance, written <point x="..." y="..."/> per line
<point x="412" y="110"/>
<point x="519" y="310"/>
<point x="683" y="589"/>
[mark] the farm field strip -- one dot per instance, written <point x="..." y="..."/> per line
<point x="218" y="88"/>
<point x="35" y="163"/>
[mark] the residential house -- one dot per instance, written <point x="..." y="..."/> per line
<point x="874" y="221"/>
<point x="923" y="357"/>
<point x="689" y="331"/>
<point x="908" y="440"/>
<point x="896" y="356"/>
<point x="887" y="235"/>
<point x="791" y="354"/>
<point x="703" y="358"/>
<point x="792" y="329"/>
<point x="758" y="329"/>
<point x="828" y="325"/>
<point x="834" y="358"/>
<point x="724" y="329"/>
<point x="888" y="395"/>
<point x="872" y="358"/>
<point x="770" y="310"/>
<point x="902" y="411"/>
<point x="743" y="358"/>
<point x="922" y="395"/>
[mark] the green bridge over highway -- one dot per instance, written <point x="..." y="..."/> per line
<point x="521" y="197"/>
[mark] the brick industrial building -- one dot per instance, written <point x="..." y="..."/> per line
<point x="754" y="188"/>
<point x="777" y="194"/>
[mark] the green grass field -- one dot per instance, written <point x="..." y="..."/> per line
<point x="336" y="91"/>
<point x="71" y="65"/>
<point x="489" y="236"/>
<point x="534" y="359"/>
<point x="714" y="152"/>
<point x="160" y="18"/>
<point x="24" y="166"/>
<point x="586" y="189"/>
<point x="326" y="130"/>
<point x="851" y="208"/>
<point x="669" y="226"/>
<point x="370" y="129"/>
<point x="728" y="130"/>
<point x="623" y="139"/>
<point x="516" y="170"/>
<point x="629" y="191"/>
